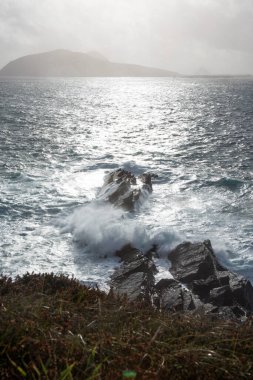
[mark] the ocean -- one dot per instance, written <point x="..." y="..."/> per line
<point x="60" y="136"/>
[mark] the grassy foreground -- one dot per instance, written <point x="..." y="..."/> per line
<point x="51" y="327"/>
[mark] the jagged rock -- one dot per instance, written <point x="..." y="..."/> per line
<point x="203" y="287"/>
<point x="135" y="276"/>
<point x="242" y="291"/>
<point x="221" y="296"/>
<point x="120" y="175"/>
<point x="194" y="261"/>
<point x="120" y="189"/>
<point x="226" y="312"/>
<point x="129" y="253"/>
<point x="146" y="179"/>
<point x="196" y="266"/>
<point x="201" y="284"/>
<point x="172" y="296"/>
<point x="152" y="252"/>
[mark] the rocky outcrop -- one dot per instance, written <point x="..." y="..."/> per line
<point x="200" y="284"/>
<point x="192" y="262"/>
<point x="135" y="276"/>
<point x="171" y="295"/>
<point x="120" y="188"/>
<point x="196" y="266"/>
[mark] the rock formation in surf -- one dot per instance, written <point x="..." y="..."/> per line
<point x="135" y="277"/>
<point x="200" y="284"/>
<point x="120" y="188"/>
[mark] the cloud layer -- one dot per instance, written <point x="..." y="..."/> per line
<point x="180" y="35"/>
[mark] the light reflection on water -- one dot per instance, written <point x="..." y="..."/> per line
<point x="59" y="136"/>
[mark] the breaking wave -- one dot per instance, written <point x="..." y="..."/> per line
<point x="103" y="229"/>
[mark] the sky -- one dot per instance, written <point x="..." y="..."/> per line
<point x="186" y="36"/>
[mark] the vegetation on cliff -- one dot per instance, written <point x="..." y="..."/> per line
<point x="52" y="327"/>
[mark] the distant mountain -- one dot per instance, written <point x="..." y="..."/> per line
<point x="65" y="63"/>
<point x="97" y="55"/>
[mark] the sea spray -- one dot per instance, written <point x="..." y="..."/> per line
<point x="103" y="229"/>
<point x="197" y="141"/>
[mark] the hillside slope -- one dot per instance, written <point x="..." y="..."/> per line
<point x="66" y="63"/>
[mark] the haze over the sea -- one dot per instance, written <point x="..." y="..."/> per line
<point x="185" y="36"/>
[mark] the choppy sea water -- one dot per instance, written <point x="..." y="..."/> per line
<point x="58" y="138"/>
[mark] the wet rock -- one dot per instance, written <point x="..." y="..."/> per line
<point x="120" y="175"/>
<point x="135" y="277"/>
<point x="242" y="291"/>
<point x="194" y="261"/>
<point x="152" y="252"/>
<point x="146" y="179"/>
<point x="221" y="296"/>
<point x="172" y="296"/>
<point x="200" y="285"/>
<point x="129" y="253"/>
<point x="196" y="266"/>
<point x="203" y="287"/>
<point x="120" y="188"/>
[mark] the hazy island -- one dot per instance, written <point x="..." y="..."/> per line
<point x="65" y="63"/>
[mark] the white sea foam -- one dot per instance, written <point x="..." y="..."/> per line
<point x="58" y="161"/>
<point x="165" y="240"/>
<point x="104" y="229"/>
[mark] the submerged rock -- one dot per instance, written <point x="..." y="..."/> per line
<point x="120" y="188"/>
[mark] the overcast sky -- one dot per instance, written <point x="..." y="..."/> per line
<point x="180" y="35"/>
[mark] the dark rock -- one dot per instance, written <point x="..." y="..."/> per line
<point x="120" y="189"/>
<point x="164" y="284"/>
<point x="120" y="175"/>
<point x="146" y="178"/>
<point x="173" y="296"/>
<point x="238" y="311"/>
<point x="193" y="261"/>
<point x="221" y="296"/>
<point x="135" y="278"/>
<point x="242" y="291"/>
<point x="134" y="285"/>
<point x="203" y="287"/>
<point x="152" y="252"/>
<point x="196" y="266"/>
<point x="227" y="313"/>
<point x="129" y="253"/>
<point x="201" y="284"/>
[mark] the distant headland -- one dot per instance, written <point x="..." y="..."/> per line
<point x="65" y="63"/>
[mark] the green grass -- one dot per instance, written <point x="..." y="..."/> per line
<point x="51" y="327"/>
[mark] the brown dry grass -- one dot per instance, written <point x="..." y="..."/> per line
<point x="51" y="327"/>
